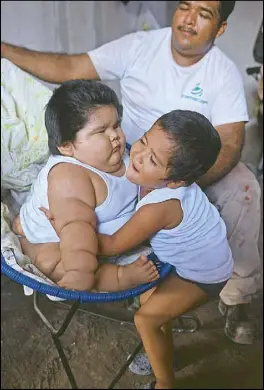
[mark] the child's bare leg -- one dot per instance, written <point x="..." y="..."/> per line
<point x="111" y="277"/>
<point x="170" y="299"/>
<point x="46" y="257"/>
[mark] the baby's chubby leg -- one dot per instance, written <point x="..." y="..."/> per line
<point x="46" y="257"/>
<point x="16" y="226"/>
<point x="111" y="277"/>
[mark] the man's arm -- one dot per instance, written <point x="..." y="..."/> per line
<point x="51" y="67"/>
<point x="232" y="138"/>
<point x="148" y="220"/>
<point x="72" y="202"/>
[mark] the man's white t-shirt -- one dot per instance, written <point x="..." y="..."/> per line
<point x="152" y="84"/>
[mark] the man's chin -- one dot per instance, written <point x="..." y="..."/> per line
<point x="183" y="46"/>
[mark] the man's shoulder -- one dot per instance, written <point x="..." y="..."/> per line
<point x="221" y="60"/>
<point x="153" y="37"/>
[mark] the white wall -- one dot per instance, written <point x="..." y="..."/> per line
<point x="238" y="42"/>
<point x="75" y="26"/>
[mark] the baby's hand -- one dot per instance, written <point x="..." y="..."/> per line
<point x="49" y="215"/>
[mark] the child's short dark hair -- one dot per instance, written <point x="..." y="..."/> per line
<point x="197" y="144"/>
<point x="68" y="109"/>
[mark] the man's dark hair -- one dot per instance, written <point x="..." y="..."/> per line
<point x="70" y="106"/>
<point x="196" y="144"/>
<point x="225" y="9"/>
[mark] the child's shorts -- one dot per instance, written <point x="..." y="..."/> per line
<point x="211" y="289"/>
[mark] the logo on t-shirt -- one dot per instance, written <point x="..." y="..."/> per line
<point x="195" y="94"/>
<point x="197" y="90"/>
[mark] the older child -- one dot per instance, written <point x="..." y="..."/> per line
<point x="85" y="187"/>
<point x="184" y="228"/>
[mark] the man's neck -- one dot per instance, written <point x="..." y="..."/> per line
<point x="185" y="61"/>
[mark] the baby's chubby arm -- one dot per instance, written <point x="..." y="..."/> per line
<point x="72" y="202"/>
<point x="147" y="221"/>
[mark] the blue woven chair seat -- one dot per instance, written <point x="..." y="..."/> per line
<point x="84" y="296"/>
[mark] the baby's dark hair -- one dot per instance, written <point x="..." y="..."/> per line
<point x="70" y="106"/>
<point x="196" y="144"/>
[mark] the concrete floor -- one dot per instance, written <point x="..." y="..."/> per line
<point x="97" y="347"/>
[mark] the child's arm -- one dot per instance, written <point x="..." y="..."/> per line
<point x="72" y="202"/>
<point x="148" y="220"/>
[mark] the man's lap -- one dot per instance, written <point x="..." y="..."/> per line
<point x="238" y="190"/>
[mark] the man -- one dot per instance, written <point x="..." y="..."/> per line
<point x="173" y="68"/>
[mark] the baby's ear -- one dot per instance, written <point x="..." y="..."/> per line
<point x="66" y="149"/>
<point x="176" y="184"/>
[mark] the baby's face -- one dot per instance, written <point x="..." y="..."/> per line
<point x="101" y="143"/>
<point x="149" y="159"/>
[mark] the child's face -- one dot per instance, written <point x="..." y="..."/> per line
<point x="101" y="143"/>
<point x="149" y="159"/>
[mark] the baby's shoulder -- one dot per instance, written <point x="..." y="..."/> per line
<point x="67" y="171"/>
<point x="69" y="178"/>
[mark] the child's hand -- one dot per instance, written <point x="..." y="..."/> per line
<point x="49" y="215"/>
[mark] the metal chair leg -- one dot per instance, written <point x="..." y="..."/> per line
<point x="180" y="329"/>
<point x="125" y="365"/>
<point x="57" y="333"/>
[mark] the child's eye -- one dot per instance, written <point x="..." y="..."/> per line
<point x="117" y="125"/>
<point x="152" y="161"/>
<point x="141" y="141"/>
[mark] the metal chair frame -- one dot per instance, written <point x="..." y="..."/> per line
<point x="42" y="288"/>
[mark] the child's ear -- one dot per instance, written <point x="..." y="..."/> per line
<point x="176" y="184"/>
<point x="66" y="149"/>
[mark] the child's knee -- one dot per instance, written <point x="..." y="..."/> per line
<point x="146" y="321"/>
<point x="139" y="320"/>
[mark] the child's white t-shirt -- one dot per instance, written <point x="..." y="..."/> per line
<point x="152" y="84"/>
<point x="198" y="247"/>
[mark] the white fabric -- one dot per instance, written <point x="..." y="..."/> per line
<point x="113" y="213"/>
<point x="24" y="139"/>
<point x="198" y="246"/>
<point x="152" y="84"/>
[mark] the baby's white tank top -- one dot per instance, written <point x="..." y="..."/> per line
<point x="113" y="213"/>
